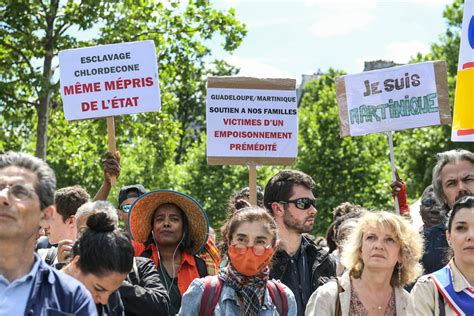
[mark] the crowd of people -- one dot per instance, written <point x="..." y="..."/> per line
<point x="154" y="253"/>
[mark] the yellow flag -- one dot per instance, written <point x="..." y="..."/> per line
<point x="463" y="118"/>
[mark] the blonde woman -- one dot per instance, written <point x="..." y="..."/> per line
<point x="381" y="255"/>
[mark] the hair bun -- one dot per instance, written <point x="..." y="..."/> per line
<point x="101" y="222"/>
<point x="241" y="203"/>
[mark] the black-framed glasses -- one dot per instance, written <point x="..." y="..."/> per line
<point x="302" y="203"/>
<point x="18" y="192"/>
<point x="125" y="208"/>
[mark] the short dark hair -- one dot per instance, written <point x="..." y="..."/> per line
<point x="103" y="248"/>
<point x="69" y="199"/>
<point x="444" y="158"/>
<point x="280" y="186"/>
<point x="466" y="201"/>
<point x="46" y="179"/>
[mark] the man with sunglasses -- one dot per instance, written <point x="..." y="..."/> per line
<point x="299" y="263"/>
<point x="28" y="286"/>
<point x="127" y="195"/>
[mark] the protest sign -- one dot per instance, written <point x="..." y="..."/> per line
<point x="109" y="80"/>
<point x="251" y="120"/>
<point x="391" y="99"/>
<point x="463" y="117"/>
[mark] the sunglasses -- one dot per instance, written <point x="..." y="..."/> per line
<point x="125" y="208"/>
<point x="302" y="203"/>
<point x="428" y="203"/>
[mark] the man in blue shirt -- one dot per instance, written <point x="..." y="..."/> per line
<point x="27" y="285"/>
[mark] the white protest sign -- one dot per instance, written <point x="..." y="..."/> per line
<point x="109" y="80"/>
<point x="257" y="123"/>
<point x="391" y="99"/>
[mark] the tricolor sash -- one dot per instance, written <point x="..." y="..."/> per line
<point x="461" y="302"/>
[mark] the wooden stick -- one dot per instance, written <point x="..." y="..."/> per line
<point x="392" y="162"/>
<point x="253" y="183"/>
<point x="111" y="141"/>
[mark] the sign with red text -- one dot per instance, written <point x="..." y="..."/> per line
<point x="392" y="99"/>
<point x="253" y="123"/>
<point x="109" y="80"/>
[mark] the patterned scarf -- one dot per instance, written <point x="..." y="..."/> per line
<point x="250" y="290"/>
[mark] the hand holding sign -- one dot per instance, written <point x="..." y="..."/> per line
<point x="393" y="99"/>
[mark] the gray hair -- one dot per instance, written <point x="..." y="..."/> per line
<point x="46" y="184"/>
<point x="444" y="158"/>
<point x="90" y="208"/>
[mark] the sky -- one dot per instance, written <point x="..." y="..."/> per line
<point x="288" y="38"/>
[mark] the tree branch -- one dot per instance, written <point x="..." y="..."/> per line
<point x="17" y="100"/>
<point x="20" y="52"/>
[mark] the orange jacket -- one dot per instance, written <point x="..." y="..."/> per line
<point x="187" y="271"/>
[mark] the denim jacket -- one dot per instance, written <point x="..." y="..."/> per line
<point x="55" y="293"/>
<point x="228" y="303"/>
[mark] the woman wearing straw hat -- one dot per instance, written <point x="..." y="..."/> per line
<point x="171" y="228"/>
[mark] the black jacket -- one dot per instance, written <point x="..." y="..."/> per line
<point x="323" y="265"/>
<point x="142" y="292"/>
<point x="436" y="248"/>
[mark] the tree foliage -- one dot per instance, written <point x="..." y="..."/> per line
<point x="149" y="142"/>
<point x="167" y="149"/>
<point x="33" y="32"/>
<point x="416" y="149"/>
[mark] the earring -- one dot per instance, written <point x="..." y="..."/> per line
<point x="399" y="274"/>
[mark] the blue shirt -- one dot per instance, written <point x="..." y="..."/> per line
<point x="228" y="304"/>
<point x="50" y="293"/>
<point x="14" y="295"/>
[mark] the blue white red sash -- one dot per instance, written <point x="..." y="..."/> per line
<point x="461" y="302"/>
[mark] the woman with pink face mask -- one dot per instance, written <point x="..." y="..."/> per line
<point x="243" y="287"/>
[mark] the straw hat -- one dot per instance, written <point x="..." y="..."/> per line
<point x="144" y="207"/>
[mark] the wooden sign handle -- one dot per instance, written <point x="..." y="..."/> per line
<point x="392" y="163"/>
<point x="253" y="183"/>
<point x="111" y="141"/>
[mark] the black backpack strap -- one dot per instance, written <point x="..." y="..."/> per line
<point x="146" y="254"/>
<point x="51" y="255"/>
<point x="201" y="266"/>
<point x="442" y="312"/>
